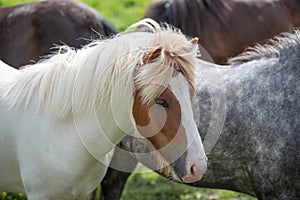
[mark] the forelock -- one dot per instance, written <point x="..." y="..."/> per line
<point x="171" y="51"/>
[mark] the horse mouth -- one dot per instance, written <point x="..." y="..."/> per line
<point x="188" y="177"/>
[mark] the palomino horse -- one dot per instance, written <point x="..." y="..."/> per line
<point x="226" y="28"/>
<point x="253" y="107"/>
<point x="28" y="31"/>
<point x="60" y="117"/>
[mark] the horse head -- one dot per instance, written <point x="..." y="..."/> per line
<point x="162" y="107"/>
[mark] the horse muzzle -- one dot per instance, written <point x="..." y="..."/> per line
<point x="195" y="171"/>
<point x="190" y="172"/>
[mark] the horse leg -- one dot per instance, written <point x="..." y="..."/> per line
<point x="113" y="184"/>
<point x="121" y="166"/>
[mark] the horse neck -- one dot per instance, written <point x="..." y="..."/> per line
<point x="107" y="125"/>
<point x="221" y="89"/>
<point x="7" y="73"/>
<point x="222" y="103"/>
<point x="230" y="85"/>
<point x="103" y="101"/>
<point x="218" y="126"/>
<point x="67" y="88"/>
<point x="99" y="133"/>
<point x="111" y="111"/>
<point x="256" y="105"/>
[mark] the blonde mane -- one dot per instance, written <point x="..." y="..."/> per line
<point x="77" y="81"/>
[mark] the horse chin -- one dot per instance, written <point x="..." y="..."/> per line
<point x="170" y="172"/>
<point x="182" y="180"/>
<point x="176" y="177"/>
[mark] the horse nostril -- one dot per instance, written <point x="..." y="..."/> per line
<point x="196" y="170"/>
<point x="193" y="170"/>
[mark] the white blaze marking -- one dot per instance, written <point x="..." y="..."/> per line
<point x="180" y="88"/>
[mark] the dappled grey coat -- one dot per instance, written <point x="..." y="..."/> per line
<point x="251" y="109"/>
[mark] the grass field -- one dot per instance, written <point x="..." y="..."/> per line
<point x="147" y="186"/>
<point x="151" y="186"/>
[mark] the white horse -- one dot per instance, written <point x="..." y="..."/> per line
<point x="60" y="117"/>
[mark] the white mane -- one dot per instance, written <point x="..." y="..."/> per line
<point x="78" y="81"/>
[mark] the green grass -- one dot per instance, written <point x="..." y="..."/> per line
<point x="147" y="186"/>
<point x="13" y="2"/>
<point x="10" y="196"/>
<point x="120" y="13"/>
<point x="151" y="186"/>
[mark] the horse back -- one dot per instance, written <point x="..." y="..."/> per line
<point x="6" y="72"/>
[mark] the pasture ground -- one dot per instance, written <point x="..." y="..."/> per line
<point x="151" y="186"/>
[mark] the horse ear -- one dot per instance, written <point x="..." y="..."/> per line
<point x="195" y="40"/>
<point x="152" y="55"/>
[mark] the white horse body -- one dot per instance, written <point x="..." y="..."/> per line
<point x="59" y="118"/>
<point x="47" y="154"/>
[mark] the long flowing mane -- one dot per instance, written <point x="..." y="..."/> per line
<point x="75" y="81"/>
<point x="272" y="48"/>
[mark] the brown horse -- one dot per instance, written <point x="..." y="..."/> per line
<point x="28" y="31"/>
<point x="226" y="28"/>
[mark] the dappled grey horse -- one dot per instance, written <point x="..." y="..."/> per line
<point x="249" y="120"/>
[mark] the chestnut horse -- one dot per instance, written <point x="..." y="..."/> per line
<point x="253" y="107"/>
<point x="60" y="117"/>
<point x="29" y="31"/>
<point x="227" y="27"/>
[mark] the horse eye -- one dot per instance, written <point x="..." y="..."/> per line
<point x="162" y="102"/>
